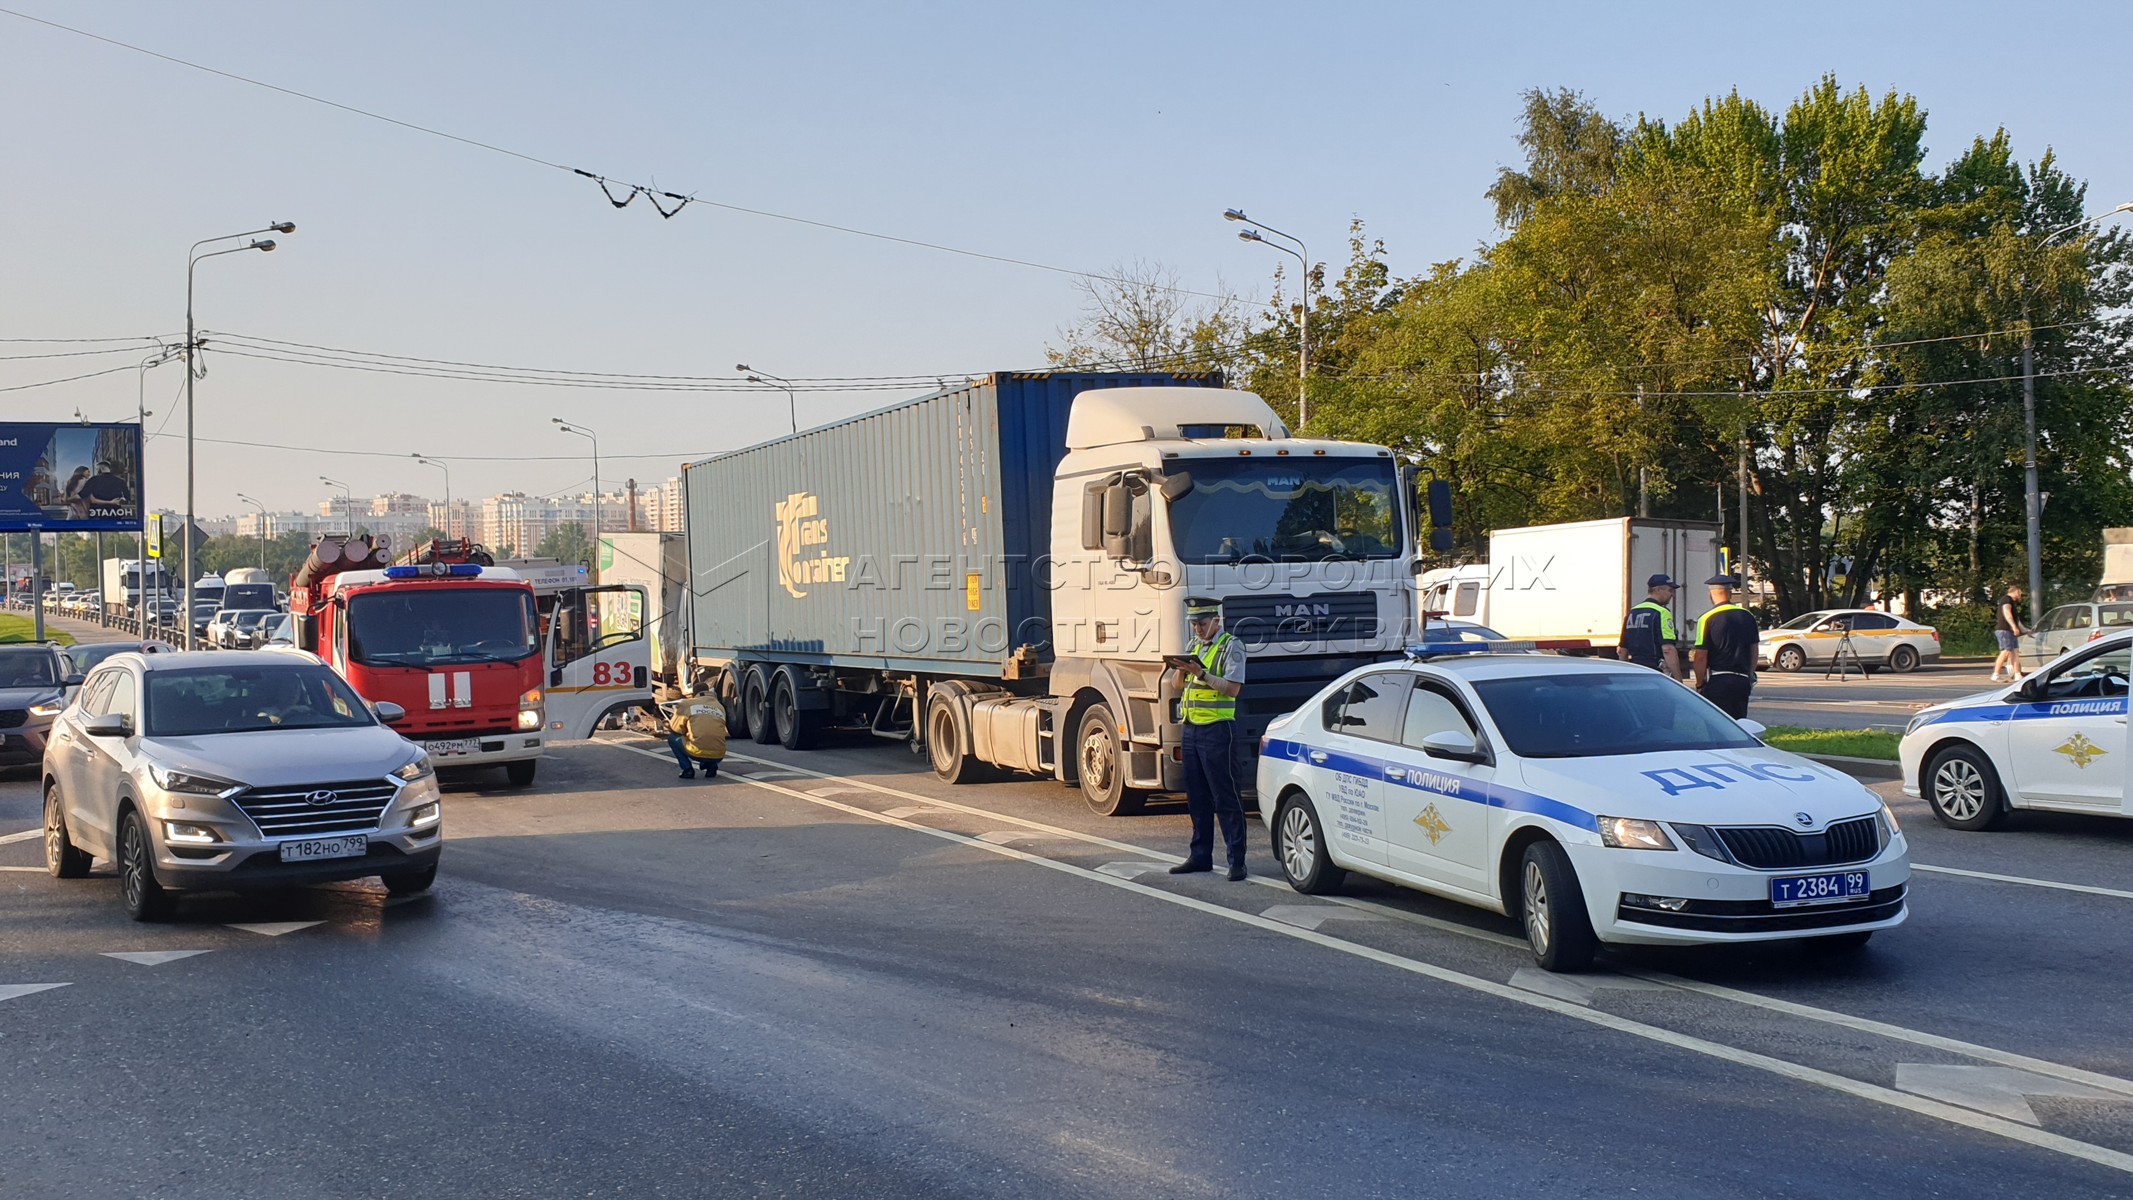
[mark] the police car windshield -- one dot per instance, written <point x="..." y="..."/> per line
<point x="1294" y="510"/>
<point x="1596" y="714"/>
<point x="432" y="624"/>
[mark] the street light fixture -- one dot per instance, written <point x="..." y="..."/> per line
<point x="2032" y="499"/>
<point x="262" y="527"/>
<point x="347" y="501"/>
<point x="594" y="438"/>
<point x="1302" y="255"/>
<point x="431" y="462"/>
<point x="192" y="371"/>
<point x="769" y="380"/>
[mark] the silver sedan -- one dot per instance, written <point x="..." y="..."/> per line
<point x="222" y="771"/>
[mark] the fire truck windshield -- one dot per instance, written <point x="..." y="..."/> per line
<point x="428" y="624"/>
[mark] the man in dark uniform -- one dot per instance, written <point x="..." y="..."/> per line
<point x="1724" y="657"/>
<point x="1648" y="629"/>
<point x="1207" y="705"/>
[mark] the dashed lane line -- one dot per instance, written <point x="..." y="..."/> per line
<point x="1844" y="1085"/>
<point x="9" y="991"/>
<point x="2053" y="884"/>
<point x="24" y="836"/>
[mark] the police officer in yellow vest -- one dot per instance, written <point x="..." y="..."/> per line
<point x="1213" y="670"/>
<point x="1648" y="629"/>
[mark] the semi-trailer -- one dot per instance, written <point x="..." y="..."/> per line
<point x="994" y="573"/>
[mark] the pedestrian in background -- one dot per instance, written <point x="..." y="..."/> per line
<point x="1724" y="657"/>
<point x="2007" y="630"/>
<point x="1213" y="669"/>
<point x="1648" y="629"/>
<point x="696" y="733"/>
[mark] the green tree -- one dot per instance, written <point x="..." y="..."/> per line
<point x="568" y="543"/>
<point x="1140" y="318"/>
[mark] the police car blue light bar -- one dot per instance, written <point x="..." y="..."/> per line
<point x="1422" y="650"/>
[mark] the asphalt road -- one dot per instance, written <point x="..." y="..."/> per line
<point x="1883" y="700"/>
<point x="828" y="974"/>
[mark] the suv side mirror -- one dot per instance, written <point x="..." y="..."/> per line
<point x="1455" y="745"/>
<point x="74" y="680"/>
<point x="108" y="725"/>
<point x="388" y="712"/>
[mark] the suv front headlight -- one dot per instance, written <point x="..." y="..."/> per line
<point x="189" y="782"/>
<point x="420" y="769"/>
<point x="49" y="708"/>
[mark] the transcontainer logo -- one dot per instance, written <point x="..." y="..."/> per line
<point x="803" y="546"/>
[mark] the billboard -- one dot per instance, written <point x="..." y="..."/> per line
<point x="70" y="477"/>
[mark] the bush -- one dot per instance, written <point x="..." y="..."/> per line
<point x="1964" y="628"/>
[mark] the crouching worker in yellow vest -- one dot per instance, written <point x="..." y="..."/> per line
<point x="1213" y="670"/>
<point x="696" y="733"/>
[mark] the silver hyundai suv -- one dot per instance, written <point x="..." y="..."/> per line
<point x="224" y="770"/>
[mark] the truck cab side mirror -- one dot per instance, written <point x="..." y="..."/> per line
<point x="1117" y="520"/>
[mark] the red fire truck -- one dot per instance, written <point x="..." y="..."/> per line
<point x="485" y="676"/>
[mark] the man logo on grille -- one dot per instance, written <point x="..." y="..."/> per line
<point x="321" y="797"/>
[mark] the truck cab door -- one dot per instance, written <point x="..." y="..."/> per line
<point x="598" y="656"/>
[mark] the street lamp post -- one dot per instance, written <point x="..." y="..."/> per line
<point x="147" y="610"/>
<point x="1302" y="255"/>
<point x="769" y="380"/>
<point x="2032" y="500"/>
<point x="192" y="372"/>
<point x="262" y="527"/>
<point x="348" y="504"/>
<point x="431" y="462"/>
<point x="594" y="438"/>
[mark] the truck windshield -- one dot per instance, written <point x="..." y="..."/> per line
<point x="1301" y="510"/>
<point x="248" y="595"/>
<point x="425" y="625"/>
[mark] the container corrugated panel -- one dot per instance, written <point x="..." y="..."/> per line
<point x="906" y="538"/>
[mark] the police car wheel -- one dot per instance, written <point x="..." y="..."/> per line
<point x="1963" y="789"/>
<point x="1903" y="659"/>
<point x="1789" y="658"/>
<point x="1300" y="848"/>
<point x="1557" y="929"/>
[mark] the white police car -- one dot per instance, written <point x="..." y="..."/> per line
<point x="1595" y="801"/>
<point x="2057" y="740"/>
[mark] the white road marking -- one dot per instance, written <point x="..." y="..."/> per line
<point x="2026" y="882"/>
<point x="1311" y="916"/>
<point x="909" y="810"/>
<point x="1578" y="989"/>
<point x="1859" y="1089"/>
<point x="38" y="870"/>
<point x="151" y="958"/>
<point x="276" y="928"/>
<point x="24" y="836"/>
<point x="8" y="991"/>
<point x="834" y="790"/>
<point x="2001" y="1091"/>
<point x="1130" y="870"/>
<point x="1001" y="837"/>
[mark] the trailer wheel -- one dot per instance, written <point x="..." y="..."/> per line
<point x="945" y="738"/>
<point x="1099" y="766"/>
<point x="755" y="701"/>
<point x="796" y="729"/>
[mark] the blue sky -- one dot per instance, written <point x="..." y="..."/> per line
<point x="1082" y="135"/>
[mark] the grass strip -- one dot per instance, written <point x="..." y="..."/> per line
<point x="1852" y="743"/>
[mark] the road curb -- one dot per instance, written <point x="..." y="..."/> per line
<point x="1878" y="769"/>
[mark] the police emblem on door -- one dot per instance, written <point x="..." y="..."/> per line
<point x="2080" y="750"/>
<point x="1432" y="823"/>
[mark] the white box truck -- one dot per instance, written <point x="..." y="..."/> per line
<point x="1570" y="585"/>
